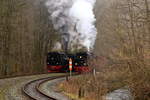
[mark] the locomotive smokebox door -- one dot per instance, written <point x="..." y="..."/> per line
<point x="65" y="41"/>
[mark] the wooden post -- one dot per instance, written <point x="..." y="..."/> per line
<point x="67" y="78"/>
<point x="81" y="92"/>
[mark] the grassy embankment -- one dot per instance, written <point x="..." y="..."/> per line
<point x="109" y="78"/>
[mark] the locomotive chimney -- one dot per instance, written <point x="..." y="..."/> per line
<point x="65" y="41"/>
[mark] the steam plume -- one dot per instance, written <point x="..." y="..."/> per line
<point x="76" y="19"/>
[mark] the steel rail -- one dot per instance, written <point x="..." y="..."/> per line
<point x="35" y="88"/>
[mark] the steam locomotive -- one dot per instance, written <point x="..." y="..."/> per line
<point x="59" y="62"/>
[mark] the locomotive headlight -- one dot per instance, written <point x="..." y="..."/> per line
<point x="76" y="64"/>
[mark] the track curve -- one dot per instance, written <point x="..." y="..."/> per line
<point x="32" y="91"/>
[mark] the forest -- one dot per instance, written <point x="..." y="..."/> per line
<point x="123" y="50"/>
<point x="27" y="34"/>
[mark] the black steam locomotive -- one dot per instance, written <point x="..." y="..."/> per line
<point x="59" y="62"/>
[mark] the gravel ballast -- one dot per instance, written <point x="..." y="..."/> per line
<point x="49" y="88"/>
<point x="11" y="88"/>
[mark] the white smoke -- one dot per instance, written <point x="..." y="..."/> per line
<point x="57" y="46"/>
<point x="76" y="18"/>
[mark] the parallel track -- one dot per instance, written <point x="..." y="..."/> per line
<point x="31" y="89"/>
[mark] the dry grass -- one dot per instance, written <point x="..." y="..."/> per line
<point x="139" y="82"/>
<point x="110" y="78"/>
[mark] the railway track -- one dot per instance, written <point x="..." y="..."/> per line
<point x="32" y="90"/>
